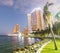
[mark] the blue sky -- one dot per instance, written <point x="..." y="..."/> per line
<point x="14" y="12"/>
<point x="9" y="18"/>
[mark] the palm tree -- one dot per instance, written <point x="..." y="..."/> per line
<point x="47" y="18"/>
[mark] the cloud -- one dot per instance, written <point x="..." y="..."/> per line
<point x="54" y="9"/>
<point x="27" y="6"/>
<point x="52" y="1"/>
<point x="6" y="2"/>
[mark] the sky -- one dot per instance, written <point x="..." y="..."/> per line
<point x="14" y="12"/>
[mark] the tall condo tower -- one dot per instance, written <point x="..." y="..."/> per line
<point x="35" y="20"/>
<point x="29" y="23"/>
<point x="16" y="28"/>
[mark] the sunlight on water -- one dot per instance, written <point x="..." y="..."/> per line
<point x="9" y="43"/>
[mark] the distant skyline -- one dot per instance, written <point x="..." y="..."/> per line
<point x="14" y="12"/>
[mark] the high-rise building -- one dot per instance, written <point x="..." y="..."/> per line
<point x="16" y="28"/>
<point x="25" y="31"/>
<point x="29" y="23"/>
<point x="35" y="20"/>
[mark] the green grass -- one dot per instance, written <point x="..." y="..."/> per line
<point x="49" y="48"/>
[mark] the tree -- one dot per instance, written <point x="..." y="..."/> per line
<point x="58" y="16"/>
<point x="47" y="17"/>
<point x="57" y="28"/>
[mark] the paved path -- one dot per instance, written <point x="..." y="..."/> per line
<point x="40" y="49"/>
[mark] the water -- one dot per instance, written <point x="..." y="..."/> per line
<point x="9" y="43"/>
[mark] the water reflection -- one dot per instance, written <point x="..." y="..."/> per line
<point x="10" y="43"/>
<point x="23" y="41"/>
<point x="31" y="40"/>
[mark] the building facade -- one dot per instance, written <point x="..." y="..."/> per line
<point x="35" y="20"/>
<point x="16" y="29"/>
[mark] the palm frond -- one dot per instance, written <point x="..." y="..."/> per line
<point x="50" y="4"/>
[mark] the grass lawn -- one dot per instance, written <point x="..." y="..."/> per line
<point x="49" y="48"/>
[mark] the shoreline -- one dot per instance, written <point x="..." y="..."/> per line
<point x="40" y="49"/>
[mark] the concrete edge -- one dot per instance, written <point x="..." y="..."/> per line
<point x="40" y="49"/>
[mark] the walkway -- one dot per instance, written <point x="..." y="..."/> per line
<point x="40" y="49"/>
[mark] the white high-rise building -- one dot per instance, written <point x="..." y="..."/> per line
<point x="29" y="23"/>
<point x="35" y="20"/>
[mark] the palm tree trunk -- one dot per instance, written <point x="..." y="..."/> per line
<point x="53" y="38"/>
